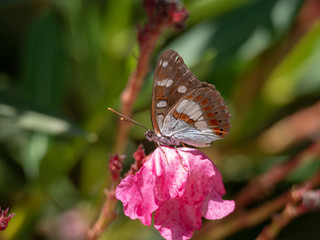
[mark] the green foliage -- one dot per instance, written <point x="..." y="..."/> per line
<point x="64" y="62"/>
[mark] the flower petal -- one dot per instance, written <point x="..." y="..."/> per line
<point x="200" y="177"/>
<point x="176" y="220"/>
<point x="218" y="182"/>
<point x="170" y="175"/>
<point x="214" y="207"/>
<point x="136" y="194"/>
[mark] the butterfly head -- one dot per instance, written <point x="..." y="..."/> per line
<point x="160" y="139"/>
<point x="149" y="135"/>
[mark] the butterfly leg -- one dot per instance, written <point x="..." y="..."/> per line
<point x="162" y="151"/>
<point x="182" y="144"/>
<point x="181" y="159"/>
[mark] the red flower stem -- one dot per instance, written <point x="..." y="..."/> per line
<point x="258" y="187"/>
<point x="107" y="215"/>
<point x="291" y="211"/>
<point x="233" y="223"/>
<point x="130" y="93"/>
<point x="161" y="15"/>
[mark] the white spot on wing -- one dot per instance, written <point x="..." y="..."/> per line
<point x="160" y="120"/>
<point x="164" y="82"/>
<point x="165" y="63"/>
<point x="195" y="112"/>
<point x="162" y="104"/>
<point x="169" y="83"/>
<point x="182" y="105"/>
<point x="201" y="125"/>
<point x="182" y="89"/>
<point x="190" y="108"/>
<point x="160" y="62"/>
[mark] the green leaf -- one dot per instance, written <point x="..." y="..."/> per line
<point x="43" y="74"/>
<point x="28" y="115"/>
<point x="298" y="72"/>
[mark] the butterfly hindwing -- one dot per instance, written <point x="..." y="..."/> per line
<point x="200" y="117"/>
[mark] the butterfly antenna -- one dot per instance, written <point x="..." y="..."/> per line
<point x="127" y="119"/>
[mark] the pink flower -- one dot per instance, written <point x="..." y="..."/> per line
<point x="178" y="198"/>
<point x="4" y="219"/>
<point x="116" y="166"/>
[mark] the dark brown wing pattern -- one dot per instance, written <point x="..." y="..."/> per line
<point x="214" y="110"/>
<point x="174" y="85"/>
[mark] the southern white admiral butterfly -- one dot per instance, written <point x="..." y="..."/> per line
<point x="183" y="109"/>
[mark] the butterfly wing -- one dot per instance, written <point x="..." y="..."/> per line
<point x="200" y="117"/>
<point x="172" y="78"/>
<point x="185" y="108"/>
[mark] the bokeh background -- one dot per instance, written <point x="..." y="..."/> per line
<point x="62" y="63"/>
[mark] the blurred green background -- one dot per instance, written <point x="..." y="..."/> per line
<point x="64" y="62"/>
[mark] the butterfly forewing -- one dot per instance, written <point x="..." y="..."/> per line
<point x="172" y="78"/>
<point x="185" y="108"/>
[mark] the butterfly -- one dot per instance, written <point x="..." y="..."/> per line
<point x="183" y="109"/>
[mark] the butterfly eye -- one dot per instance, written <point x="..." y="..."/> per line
<point x="149" y="135"/>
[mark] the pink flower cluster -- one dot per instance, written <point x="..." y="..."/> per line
<point x="161" y="14"/>
<point x="4" y="218"/>
<point x="178" y="198"/>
